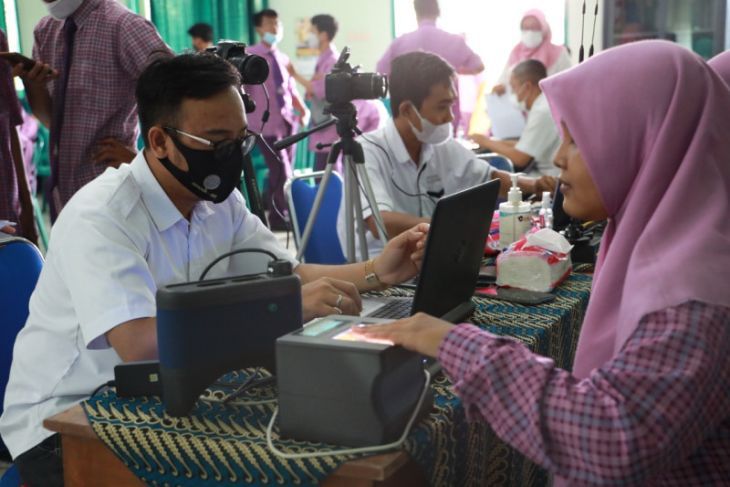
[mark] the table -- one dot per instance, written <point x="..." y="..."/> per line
<point x="87" y="462"/>
<point x="219" y="445"/>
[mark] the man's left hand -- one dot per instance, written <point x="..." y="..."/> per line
<point x="402" y="257"/>
<point x="113" y="153"/>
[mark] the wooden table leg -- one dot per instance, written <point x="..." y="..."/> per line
<point x="89" y="463"/>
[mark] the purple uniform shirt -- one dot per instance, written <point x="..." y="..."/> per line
<point x="429" y="38"/>
<point x="658" y="413"/>
<point x="282" y="119"/>
<point x="111" y="49"/>
<point x="10" y="118"/>
<point x="325" y="62"/>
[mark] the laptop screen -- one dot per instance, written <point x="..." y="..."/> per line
<point x="455" y="248"/>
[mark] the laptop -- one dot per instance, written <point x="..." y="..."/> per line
<point x="454" y="252"/>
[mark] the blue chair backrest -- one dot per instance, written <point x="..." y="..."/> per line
<point x="324" y="245"/>
<point x="498" y="162"/>
<point x="20" y="266"/>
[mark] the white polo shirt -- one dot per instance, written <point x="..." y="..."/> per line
<point x="115" y="242"/>
<point x="401" y="186"/>
<point x="540" y="139"/>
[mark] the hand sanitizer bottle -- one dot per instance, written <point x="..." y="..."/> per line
<point x="546" y="210"/>
<point x="514" y="215"/>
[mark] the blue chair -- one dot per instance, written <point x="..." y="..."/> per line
<point x="324" y="245"/>
<point x="11" y="477"/>
<point x="20" y="266"/>
<point x="498" y="161"/>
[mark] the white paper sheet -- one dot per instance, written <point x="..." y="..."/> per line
<point x="507" y="121"/>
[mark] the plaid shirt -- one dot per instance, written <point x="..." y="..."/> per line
<point x="10" y="117"/>
<point x="112" y="47"/>
<point x="657" y="414"/>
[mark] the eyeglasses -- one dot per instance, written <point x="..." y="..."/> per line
<point x="222" y="149"/>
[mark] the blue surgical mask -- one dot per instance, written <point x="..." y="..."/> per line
<point x="272" y="39"/>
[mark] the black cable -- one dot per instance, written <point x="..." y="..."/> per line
<point x="418" y="186"/>
<point x="234" y="252"/>
<point x="267" y="113"/>
<point x="109" y="383"/>
<point x="273" y="203"/>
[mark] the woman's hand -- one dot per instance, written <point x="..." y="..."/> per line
<point x="421" y="333"/>
<point x="327" y="296"/>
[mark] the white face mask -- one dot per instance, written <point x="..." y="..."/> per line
<point x="62" y="9"/>
<point x="531" y="38"/>
<point x="521" y="105"/>
<point x="432" y="134"/>
<point x="313" y="41"/>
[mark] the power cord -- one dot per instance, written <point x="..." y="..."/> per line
<point x="109" y="383"/>
<point x="350" y="451"/>
<point x="235" y="252"/>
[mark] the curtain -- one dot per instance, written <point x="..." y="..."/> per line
<point x="3" y="26"/>
<point x="231" y="19"/>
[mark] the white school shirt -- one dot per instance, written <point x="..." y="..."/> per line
<point x="540" y="139"/>
<point x="116" y="241"/>
<point x="401" y="186"/>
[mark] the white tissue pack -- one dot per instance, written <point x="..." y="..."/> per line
<point x="539" y="261"/>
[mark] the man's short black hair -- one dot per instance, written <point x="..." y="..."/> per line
<point x="258" y="17"/>
<point x="325" y="23"/>
<point x="166" y="82"/>
<point x="530" y="70"/>
<point x="201" y="30"/>
<point x="413" y="75"/>
<point x="427" y="9"/>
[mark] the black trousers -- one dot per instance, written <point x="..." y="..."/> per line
<point x="42" y="466"/>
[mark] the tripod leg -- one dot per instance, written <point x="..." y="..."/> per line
<point x="350" y="194"/>
<point x="365" y="180"/>
<point x="315" y="211"/>
<point x="358" y="217"/>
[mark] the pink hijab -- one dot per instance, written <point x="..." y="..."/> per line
<point x="721" y="65"/>
<point x="651" y="121"/>
<point x="547" y="52"/>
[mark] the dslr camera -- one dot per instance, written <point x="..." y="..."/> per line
<point x="345" y="84"/>
<point x="254" y="69"/>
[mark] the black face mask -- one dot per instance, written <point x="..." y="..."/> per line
<point x="211" y="175"/>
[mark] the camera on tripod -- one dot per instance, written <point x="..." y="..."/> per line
<point x="253" y="69"/>
<point x="345" y="84"/>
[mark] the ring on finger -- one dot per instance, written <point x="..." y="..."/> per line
<point x="339" y="301"/>
<point x="338" y="311"/>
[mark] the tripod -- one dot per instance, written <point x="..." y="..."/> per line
<point x="354" y="169"/>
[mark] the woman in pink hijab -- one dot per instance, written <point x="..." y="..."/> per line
<point x="535" y="43"/>
<point x="648" y="400"/>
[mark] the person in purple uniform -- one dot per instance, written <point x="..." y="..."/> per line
<point x="286" y="112"/>
<point x="429" y="38"/>
<point x="371" y="114"/>
<point x="97" y="48"/>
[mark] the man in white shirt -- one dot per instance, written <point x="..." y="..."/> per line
<point x="157" y="221"/>
<point x="414" y="160"/>
<point x="535" y="151"/>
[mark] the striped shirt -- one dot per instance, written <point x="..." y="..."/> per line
<point x="112" y="47"/>
<point x="658" y="413"/>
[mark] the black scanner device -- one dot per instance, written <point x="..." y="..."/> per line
<point x="208" y="328"/>
<point x="336" y="388"/>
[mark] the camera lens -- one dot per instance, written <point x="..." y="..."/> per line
<point x="254" y="69"/>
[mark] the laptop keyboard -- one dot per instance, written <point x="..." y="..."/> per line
<point x="396" y="309"/>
